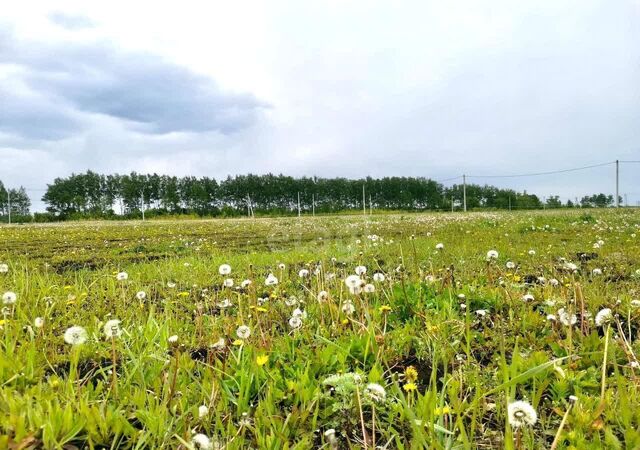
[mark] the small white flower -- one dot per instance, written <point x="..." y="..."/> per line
<point x="604" y="317"/>
<point x="369" y="288"/>
<point x="376" y="392"/>
<point x="281" y="266"/>
<point x="112" y="329"/>
<point x="361" y="270"/>
<point x="295" y="322"/>
<point x="141" y="295"/>
<point x="4" y="268"/>
<point x="532" y="252"/>
<point x="243" y="332"/>
<point x="378" y="277"/>
<point x="171" y="284"/>
<point x="122" y="276"/>
<point x="75" y="335"/>
<point x="492" y="254"/>
<point x="38" y="322"/>
<point x="201" y="442"/>
<point x="245" y="284"/>
<point x="481" y="312"/>
<point x="224" y="269"/>
<point x="228" y="282"/>
<point x="521" y="413"/>
<point x="173" y="339"/>
<point x="9" y="298"/>
<point x="303" y="273"/>
<point x="570" y="267"/>
<point x="439" y="246"/>
<point x="635" y="303"/>
<point x="271" y="280"/>
<point x="203" y="410"/>
<point x="511" y="265"/>
<point x="596" y="271"/>
<point x="528" y="298"/>
<point x="551" y="318"/>
<point x="323" y="296"/>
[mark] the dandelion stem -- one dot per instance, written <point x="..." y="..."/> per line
<point x="604" y="363"/>
<point x="556" y="440"/>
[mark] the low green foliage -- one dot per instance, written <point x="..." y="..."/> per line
<point x="427" y="348"/>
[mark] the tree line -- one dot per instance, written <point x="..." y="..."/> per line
<point x="93" y="195"/>
<point x="15" y="202"/>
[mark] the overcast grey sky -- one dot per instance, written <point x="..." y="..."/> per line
<point x="331" y="88"/>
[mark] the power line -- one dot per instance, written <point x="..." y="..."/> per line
<point x="535" y="174"/>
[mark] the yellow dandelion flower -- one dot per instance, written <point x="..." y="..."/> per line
<point x="410" y="387"/>
<point x="261" y="360"/>
<point x="385" y="309"/>
<point x="261" y="309"/>
<point x="440" y="411"/>
<point x="411" y="374"/>
<point x="238" y="342"/>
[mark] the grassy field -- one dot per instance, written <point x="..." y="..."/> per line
<point x="480" y="330"/>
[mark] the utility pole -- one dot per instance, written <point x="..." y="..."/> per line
<point x="364" y="202"/>
<point x="617" y="183"/>
<point x="9" y="198"/>
<point x="313" y="205"/>
<point x="142" y="202"/>
<point x="464" y="192"/>
<point x="248" y="206"/>
<point x="299" y="204"/>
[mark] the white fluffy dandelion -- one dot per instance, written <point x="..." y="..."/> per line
<point x="271" y="280"/>
<point x="378" y="277"/>
<point x="112" y="329"/>
<point x="224" y="269"/>
<point x="122" y="276"/>
<point x="38" y="322"/>
<point x="361" y="270"/>
<point x="369" y="288"/>
<point x="303" y="273"/>
<point x="521" y="413"/>
<point x="75" y="335"/>
<point x="203" y="410"/>
<point x="439" y="246"/>
<point x="375" y="392"/>
<point x="243" y="332"/>
<point x="4" y="268"/>
<point x="295" y="322"/>
<point x="141" y="295"/>
<point x="604" y="317"/>
<point x="492" y="254"/>
<point x="201" y="441"/>
<point x="353" y="281"/>
<point x="9" y="298"/>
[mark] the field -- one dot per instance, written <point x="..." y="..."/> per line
<point x="392" y="331"/>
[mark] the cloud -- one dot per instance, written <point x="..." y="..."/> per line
<point x="150" y="94"/>
<point x="70" y="21"/>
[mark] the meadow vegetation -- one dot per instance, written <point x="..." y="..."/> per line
<point x="479" y="330"/>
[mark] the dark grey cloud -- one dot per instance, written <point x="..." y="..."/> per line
<point x="34" y="117"/>
<point x="70" y="21"/>
<point x="149" y="93"/>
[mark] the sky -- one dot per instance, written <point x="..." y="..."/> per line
<point x="326" y="88"/>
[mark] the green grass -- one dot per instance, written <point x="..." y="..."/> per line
<point x="282" y="388"/>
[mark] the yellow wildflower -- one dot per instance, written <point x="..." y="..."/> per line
<point x="261" y="360"/>
<point x="410" y="387"/>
